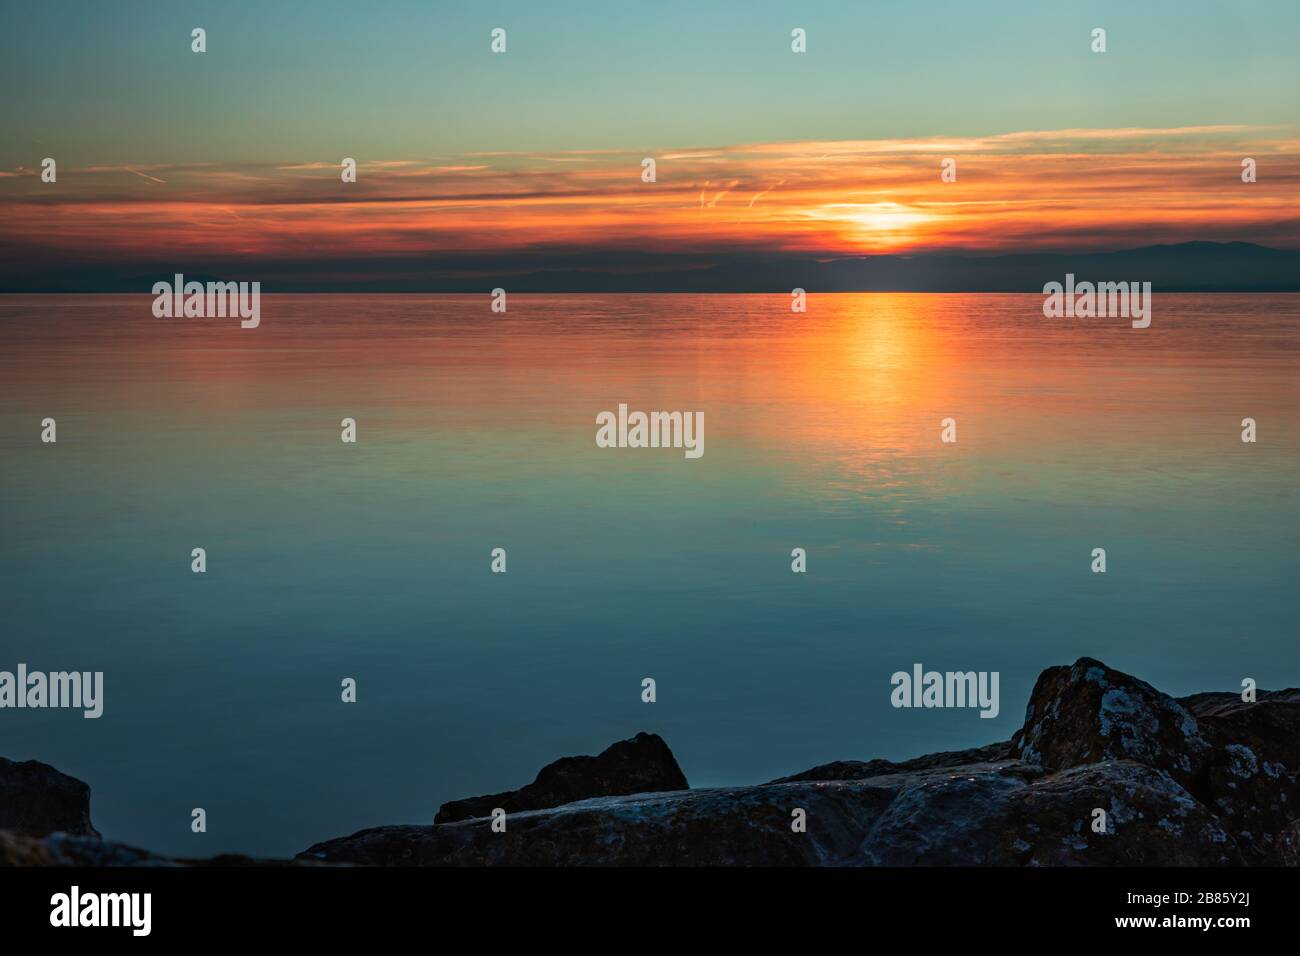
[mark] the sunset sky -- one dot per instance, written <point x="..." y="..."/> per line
<point x="206" y="160"/>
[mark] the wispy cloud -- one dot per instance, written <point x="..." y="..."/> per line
<point x="1043" y="189"/>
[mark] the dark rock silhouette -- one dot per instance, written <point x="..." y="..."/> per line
<point x="1203" y="780"/>
<point x="642" y="764"/>
<point x="1209" y="780"/>
<point x="1000" y="814"/>
<point x="1237" y="759"/>
<point x="860" y="770"/>
<point x="35" y="799"/>
<point x="64" y="849"/>
<point x="1088" y="713"/>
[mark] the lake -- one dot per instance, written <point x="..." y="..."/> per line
<point x="476" y="431"/>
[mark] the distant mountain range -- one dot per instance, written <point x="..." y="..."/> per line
<point x="1183" y="267"/>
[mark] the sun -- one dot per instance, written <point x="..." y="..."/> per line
<point x="876" y="225"/>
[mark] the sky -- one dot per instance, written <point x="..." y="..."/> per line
<point x="163" y="153"/>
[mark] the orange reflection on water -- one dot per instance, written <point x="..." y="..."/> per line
<point x="856" y="387"/>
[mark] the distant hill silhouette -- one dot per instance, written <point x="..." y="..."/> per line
<point x="1184" y="267"/>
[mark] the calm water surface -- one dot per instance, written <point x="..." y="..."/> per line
<point x="477" y="431"/>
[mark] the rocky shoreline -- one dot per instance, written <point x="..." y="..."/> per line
<point x="1106" y="771"/>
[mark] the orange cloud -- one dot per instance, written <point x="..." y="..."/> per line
<point x="1058" y="189"/>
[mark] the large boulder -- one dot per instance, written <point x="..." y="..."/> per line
<point x="1016" y="815"/>
<point x="35" y="799"/>
<point x="1238" y="759"/>
<point x="1088" y="712"/>
<point x="1150" y="820"/>
<point x="641" y="764"/>
<point x="1250" y="777"/>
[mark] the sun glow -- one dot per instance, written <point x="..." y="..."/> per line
<point x="876" y="225"/>
<point x="1016" y="192"/>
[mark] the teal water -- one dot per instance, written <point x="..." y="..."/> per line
<point x="476" y="431"/>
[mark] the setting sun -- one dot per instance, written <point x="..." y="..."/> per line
<point x="874" y="225"/>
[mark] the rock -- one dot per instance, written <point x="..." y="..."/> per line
<point x="1087" y="713"/>
<point x="1220" y="704"/>
<point x="994" y="814"/>
<point x="859" y="770"/>
<point x="64" y="849"/>
<point x="1288" y="846"/>
<point x="642" y="764"/>
<point x="1270" y="725"/>
<point x="1010" y="815"/>
<point x="724" y="826"/>
<point x="1250" y="775"/>
<point x="17" y="849"/>
<point x="45" y="821"/>
<point x="35" y="799"/>
<point x="1151" y="820"/>
<point x="1237" y="759"/>
<point x="1205" y="781"/>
